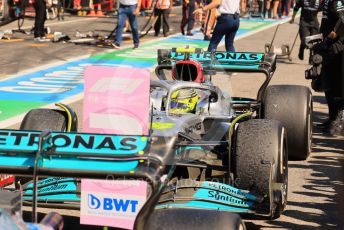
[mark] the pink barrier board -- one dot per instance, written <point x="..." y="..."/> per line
<point x="111" y="203"/>
<point x="116" y="100"/>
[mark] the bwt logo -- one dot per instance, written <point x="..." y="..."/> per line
<point x="112" y="204"/>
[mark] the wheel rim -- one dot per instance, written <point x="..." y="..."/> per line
<point x="284" y="188"/>
<point x="282" y="191"/>
<point x="309" y="128"/>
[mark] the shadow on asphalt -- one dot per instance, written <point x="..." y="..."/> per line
<point x="327" y="187"/>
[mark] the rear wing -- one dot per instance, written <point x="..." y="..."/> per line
<point x="87" y="155"/>
<point x="219" y="61"/>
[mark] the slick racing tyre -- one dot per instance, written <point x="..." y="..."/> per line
<point x="291" y="105"/>
<point x="41" y="119"/>
<point x="261" y="163"/>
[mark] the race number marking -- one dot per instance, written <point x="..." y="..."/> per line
<point x="116" y="100"/>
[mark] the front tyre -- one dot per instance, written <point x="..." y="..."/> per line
<point x="41" y="119"/>
<point x="261" y="163"/>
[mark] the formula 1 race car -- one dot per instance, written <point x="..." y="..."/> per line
<point x="289" y="104"/>
<point x="207" y="157"/>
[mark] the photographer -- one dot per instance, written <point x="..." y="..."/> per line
<point x="332" y="76"/>
<point x="309" y="24"/>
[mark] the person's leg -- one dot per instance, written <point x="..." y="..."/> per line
<point x="282" y="7"/>
<point x="268" y="8"/>
<point x="207" y="23"/>
<point x="157" y="23"/>
<point x="286" y="7"/>
<point x="212" y="21"/>
<point x="165" y="26"/>
<point x="219" y="32"/>
<point x="314" y="27"/>
<point x="275" y="9"/>
<point x="133" y="24"/>
<point x="184" y="20"/>
<point x="40" y="10"/>
<point x="191" y="18"/>
<point x="304" y="32"/>
<point x="122" y="17"/>
<point x="230" y="35"/>
<point x="36" y="26"/>
<point x="243" y="4"/>
<point x="260" y="8"/>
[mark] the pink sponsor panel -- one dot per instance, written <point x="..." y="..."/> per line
<point x="112" y="203"/>
<point x="116" y="100"/>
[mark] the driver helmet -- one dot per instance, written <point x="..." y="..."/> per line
<point x="188" y="70"/>
<point x="184" y="101"/>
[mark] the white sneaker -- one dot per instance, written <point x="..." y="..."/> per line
<point x="41" y="39"/>
<point x="113" y="45"/>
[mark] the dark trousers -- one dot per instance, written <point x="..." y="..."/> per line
<point x="191" y="18"/>
<point x="40" y="17"/>
<point x="188" y="18"/>
<point x="307" y="28"/>
<point x="333" y="83"/>
<point x="162" y="17"/>
<point x="185" y="15"/>
<point x="227" y="25"/>
<point x="285" y="7"/>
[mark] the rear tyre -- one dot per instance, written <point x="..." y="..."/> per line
<point x="261" y="163"/>
<point x="291" y="105"/>
<point x="41" y="119"/>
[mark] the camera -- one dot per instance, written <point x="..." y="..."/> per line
<point x="316" y="59"/>
<point x="315" y="70"/>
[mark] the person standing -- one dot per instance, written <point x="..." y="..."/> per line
<point x="40" y="17"/>
<point x="127" y="9"/>
<point x="332" y="72"/>
<point x="309" y="24"/>
<point x="227" y="23"/>
<point x="188" y="18"/>
<point x="162" y="12"/>
<point x="285" y="8"/>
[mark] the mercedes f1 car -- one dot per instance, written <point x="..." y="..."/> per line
<point x="208" y="155"/>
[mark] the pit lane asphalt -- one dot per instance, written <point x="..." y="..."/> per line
<point x="315" y="195"/>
